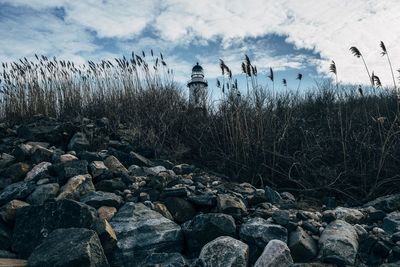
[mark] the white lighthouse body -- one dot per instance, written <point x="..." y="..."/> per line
<point x="197" y="88"/>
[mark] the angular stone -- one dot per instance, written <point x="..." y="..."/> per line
<point x="76" y="187"/>
<point x="182" y="169"/>
<point x="100" y="198"/>
<point x="106" y="212"/>
<point x="180" y="209"/>
<point x="204" y="200"/>
<point x="281" y="217"/>
<point x="257" y="233"/>
<point x="43" y="193"/>
<point x="339" y="243"/>
<point x="303" y="247"/>
<point x="99" y="170"/>
<point x="231" y="205"/>
<point x="79" y="142"/>
<point x="13" y="263"/>
<point x="387" y="203"/>
<point x="69" y="247"/>
<point x="18" y="190"/>
<point x="111" y="185"/>
<point x="6" y="160"/>
<point x="67" y="157"/>
<point x="163" y="210"/>
<point x="37" y="170"/>
<point x="166" y="260"/>
<point x="272" y="196"/>
<point x="349" y="215"/>
<point x="9" y="210"/>
<point x="40" y="154"/>
<point x="106" y="234"/>
<point x="17" y="171"/>
<point x="391" y="223"/>
<point x="64" y="171"/>
<point x="138" y="159"/>
<point x="275" y="254"/>
<point x="115" y="165"/>
<point x="141" y="232"/>
<point x="33" y="223"/>
<point x="204" y="228"/>
<point x="225" y="251"/>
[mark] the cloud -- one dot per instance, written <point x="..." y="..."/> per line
<point x="327" y="28"/>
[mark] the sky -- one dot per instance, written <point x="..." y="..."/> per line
<point x="290" y="36"/>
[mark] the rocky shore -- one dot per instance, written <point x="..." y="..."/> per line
<point x="72" y="195"/>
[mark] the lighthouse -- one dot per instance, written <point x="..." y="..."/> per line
<point x="197" y="88"/>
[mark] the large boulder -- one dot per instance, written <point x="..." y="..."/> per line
<point x="141" y="232"/>
<point x="76" y="187"/>
<point x="275" y="254"/>
<point x="204" y="228"/>
<point x="225" y="251"/>
<point x="302" y="246"/>
<point x="257" y="233"/>
<point x="18" y="190"/>
<point x="338" y="243"/>
<point x="69" y="247"/>
<point x="100" y="198"/>
<point x="33" y="223"/>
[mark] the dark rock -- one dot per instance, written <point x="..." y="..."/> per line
<point x="37" y="171"/>
<point x="162" y="209"/>
<point x="64" y="171"/>
<point x="339" y="243"/>
<point x="100" y="198"/>
<point x="204" y="200"/>
<point x="182" y="169"/>
<point x="5" y="236"/>
<point x="18" y="190"/>
<point x="180" y="209"/>
<point x="138" y="159"/>
<point x="174" y="192"/>
<point x="231" y="205"/>
<point x="272" y="196"/>
<point x="79" y="142"/>
<point x="257" y="232"/>
<point x="275" y="254"/>
<point x="69" y="247"/>
<point x="303" y="247"/>
<point x="329" y="202"/>
<point x="99" y="171"/>
<point x="225" y="251"/>
<point x="6" y="160"/>
<point x="281" y="217"/>
<point x="115" y="165"/>
<point x="89" y="156"/>
<point x="165" y="260"/>
<point x="111" y="185"/>
<point x="387" y="203"/>
<point x="204" y="228"/>
<point x="306" y="225"/>
<point x="43" y="193"/>
<point x="33" y="223"/>
<point x="5" y="254"/>
<point x="141" y="232"/>
<point x="391" y="223"/>
<point x="17" y="171"/>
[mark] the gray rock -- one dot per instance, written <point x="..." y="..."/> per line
<point x="387" y="203"/>
<point x="106" y="234"/>
<point x="9" y="210"/>
<point x="79" y="142"/>
<point x="231" y="205"/>
<point x="349" y="215"/>
<point x="141" y="232"/>
<point x="69" y="247"/>
<point x="303" y="247"/>
<point x="391" y="223"/>
<point x="6" y="160"/>
<point x="18" y="190"/>
<point x="257" y="233"/>
<point x="281" y="217"/>
<point x="272" y="196"/>
<point x="37" y="170"/>
<point x="100" y="198"/>
<point x="204" y="200"/>
<point x="138" y="159"/>
<point x="5" y="236"/>
<point x="204" y="228"/>
<point x="43" y="193"/>
<point x="115" y="165"/>
<point x="339" y="243"/>
<point x="17" y="171"/>
<point x="65" y="170"/>
<point x="225" y="251"/>
<point x="275" y="254"/>
<point x="183" y="169"/>
<point x="33" y="223"/>
<point x="99" y="170"/>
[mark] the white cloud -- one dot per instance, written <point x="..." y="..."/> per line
<point x="329" y="27"/>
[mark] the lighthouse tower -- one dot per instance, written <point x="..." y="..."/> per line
<point x="197" y="88"/>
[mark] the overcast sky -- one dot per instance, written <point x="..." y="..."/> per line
<point x="290" y="36"/>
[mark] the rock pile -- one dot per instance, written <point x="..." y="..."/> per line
<point x="63" y="203"/>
